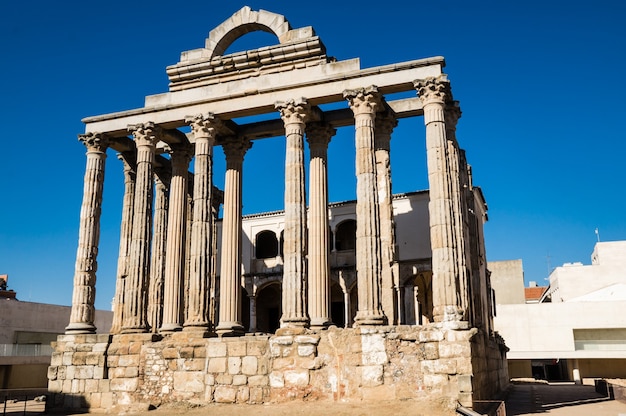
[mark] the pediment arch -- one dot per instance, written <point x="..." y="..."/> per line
<point x="242" y="22"/>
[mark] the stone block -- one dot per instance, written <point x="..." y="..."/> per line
<point x="91" y="386"/>
<point x="189" y="381"/>
<point x="186" y="352"/>
<point x="464" y="366"/>
<point x="93" y="358"/>
<point x="170" y="353"/>
<point x="84" y="372"/>
<point x="256" y="395"/>
<point x="277" y="380"/>
<point x="98" y="372"/>
<point x="135" y="347"/>
<point x="236" y="348"/>
<point x="234" y="365"/>
<point x="79" y="358"/>
<point x="239" y="380"/>
<point x="281" y="340"/>
<point x="84" y="347"/>
<point x="257" y="348"/>
<point x="306" y="350"/>
<point x="94" y="400"/>
<point x="55" y="386"/>
<point x="128" y="361"/>
<point x="282" y="363"/>
<point x="104" y="386"/>
<point x="194" y="364"/>
<point x="224" y="379"/>
<point x="130" y="371"/>
<point x="199" y="352"/>
<point x="440" y="366"/>
<point x="106" y="400"/>
<point x="69" y="372"/>
<point x="435" y="381"/>
<point x="124" y="384"/>
<point x="113" y="360"/>
<point x="57" y="358"/>
<point x="307" y="339"/>
<point x="243" y="394"/>
<point x="430" y="350"/>
<point x="216" y="348"/>
<point x="249" y="365"/>
<point x="431" y="336"/>
<point x="263" y="365"/>
<point x="52" y="372"/>
<point x="100" y="347"/>
<point x="67" y="358"/>
<point x="260" y="381"/>
<point x="454" y="349"/>
<point x="209" y="379"/>
<point x="225" y="394"/>
<point x="465" y="383"/>
<point x="296" y="378"/>
<point x="371" y="375"/>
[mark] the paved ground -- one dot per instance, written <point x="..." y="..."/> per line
<point x="562" y="400"/>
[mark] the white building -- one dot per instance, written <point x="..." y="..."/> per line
<point x="578" y="330"/>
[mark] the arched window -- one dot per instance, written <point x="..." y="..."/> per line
<point x="266" y="245"/>
<point x="345" y="237"/>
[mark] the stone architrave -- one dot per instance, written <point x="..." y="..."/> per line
<point x="135" y="319"/>
<point x="230" y="272"/>
<point x="318" y="136"/>
<point x="176" y="241"/>
<point x="295" y="114"/>
<point x="364" y="103"/>
<point x="385" y="123"/>
<point x="204" y="128"/>
<point x="162" y="178"/>
<point x="83" y="312"/>
<point x="128" y="159"/>
<point x="434" y="92"/>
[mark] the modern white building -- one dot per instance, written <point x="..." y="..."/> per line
<point x="578" y="329"/>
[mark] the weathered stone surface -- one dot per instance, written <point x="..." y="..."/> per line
<point x="190" y="381"/>
<point x="225" y="394"/>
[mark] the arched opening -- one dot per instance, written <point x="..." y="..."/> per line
<point x="345" y="237"/>
<point x="268" y="308"/>
<point x="266" y="245"/>
<point x="417" y="300"/>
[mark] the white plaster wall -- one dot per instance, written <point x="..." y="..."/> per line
<point x="40" y="317"/>
<point x="545" y="330"/>
<point x="507" y="280"/>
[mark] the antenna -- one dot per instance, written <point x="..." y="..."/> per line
<point x="598" y="234"/>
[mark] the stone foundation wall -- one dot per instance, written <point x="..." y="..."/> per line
<point x="382" y="363"/>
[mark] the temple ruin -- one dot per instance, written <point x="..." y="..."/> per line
<point x="320" y="302"/>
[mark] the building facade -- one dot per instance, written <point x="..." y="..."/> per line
<point x="575" y="331"/>
<point x="202" y="314"/>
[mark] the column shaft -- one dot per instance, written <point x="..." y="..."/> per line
<point x="162" y="180"/>
<point x="294" y="115"/>
<point x="385" y="123"/>
<point x="204" y="130"/>
<point x="176" y="241"/>
<point x="135" y="319"/>
<point x="230" y="272"/>
<point x="318" y="136"/>
<point x="83" y="312"/>
<point x="364" y="104"/>
<point x="128" y="159"/>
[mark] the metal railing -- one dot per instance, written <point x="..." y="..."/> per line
<point x="25" y="350"/>
<point x="23" y="401"/>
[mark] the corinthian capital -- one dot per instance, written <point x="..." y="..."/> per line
<point x="433" y="89"/>
<point x="235" y="148"/>
<point x="319" y="134"/>
<point x="294" y="111"/>
<point x="364" y="100"/>
<point x="204" y="125"/>
<point x="95" y="142"/>
<point x="453" y="113"/>
<point x="180" y="155"/>
<point x="145" y="134"/>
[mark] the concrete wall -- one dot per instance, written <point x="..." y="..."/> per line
<point x="507" y="280"/>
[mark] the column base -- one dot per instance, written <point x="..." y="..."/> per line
<point x="230" y="329"/>
<point x="170" y="328"/>
<point x="80" y="328"/>
<point x="320" y="323"/>
<point x="298" y="322"/>
<point x="370" y="318"/>
<point x="134" y="330"/>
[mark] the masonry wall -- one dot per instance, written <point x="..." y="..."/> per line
<point x="387" y="363"/>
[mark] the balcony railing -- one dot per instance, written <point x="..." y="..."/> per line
<point x="25" y="350"/>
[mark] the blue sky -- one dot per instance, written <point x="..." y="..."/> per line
<point x="541" y="87"/>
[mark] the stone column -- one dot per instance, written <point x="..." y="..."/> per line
<point x="230" y="271"/>
<point x="176" y="240"/>
<point x="84" y="295"/>
<point x="318" y="136"/>
<point x="294" y="114"/>
<point x="434" y="92"/>
<point x="385" y="123"/>
<point x="135" y="319"/>
<point x="365" y="102"/>
<point x="452" y="114"/>
<point x="162" y="180"/>
<point x="129" y="161"/>
<point x="204" y="128"/>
